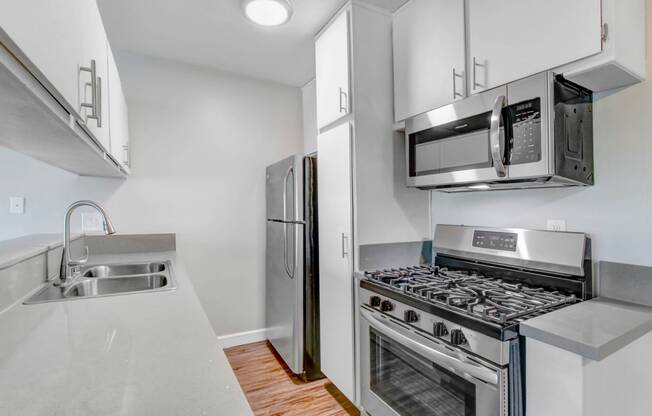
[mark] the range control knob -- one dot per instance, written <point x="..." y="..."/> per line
<point x="386" y="306"/>
<point x="410" y="316"/>
<point x="439" y="329"/>
<point x="374" y="301"/>
<point x="457" y="337"/>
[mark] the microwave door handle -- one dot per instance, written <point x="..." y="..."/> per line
<point x="494" y="137"/>
<point x="465" y="367"/>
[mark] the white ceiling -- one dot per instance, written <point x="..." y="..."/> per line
<point x="215" y="33"/>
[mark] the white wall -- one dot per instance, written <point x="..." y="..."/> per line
<point x="310" y="131"/>
<point x="201" y="140"/>
<point x="616" y="212"/>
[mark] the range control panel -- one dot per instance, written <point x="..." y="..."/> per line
<point x="495" y="240"/>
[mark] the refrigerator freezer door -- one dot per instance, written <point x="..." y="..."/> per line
<point x="282" y="180"/>
<point x="284" y="262"/>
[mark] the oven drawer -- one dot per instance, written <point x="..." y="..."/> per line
<point x="404" y="373"/>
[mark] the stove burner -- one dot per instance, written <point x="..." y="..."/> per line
<point x="489" y="299"/>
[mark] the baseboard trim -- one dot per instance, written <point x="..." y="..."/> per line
<point x="241" y="338"/>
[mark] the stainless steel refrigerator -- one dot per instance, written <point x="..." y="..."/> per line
<point x="292" y="268"/>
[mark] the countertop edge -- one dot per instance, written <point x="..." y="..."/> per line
<point x="595" y="353"/>
<point x="31" y="250"/>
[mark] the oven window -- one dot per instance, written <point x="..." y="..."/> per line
<point x="414" y="386"/>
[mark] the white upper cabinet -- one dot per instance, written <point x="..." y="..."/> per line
<point x="622" y="60"/>
<point x="511" y="39"/>
<point x="63" y="45"/>
<point x="118" y="119"/>
<point x="50" y="34"/>
<point x="332" y="71"/>
<point x="429" y="57"/>
<point x="93" y="100"/>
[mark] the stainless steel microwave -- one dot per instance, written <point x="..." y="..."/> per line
<point x="533" y="133"/>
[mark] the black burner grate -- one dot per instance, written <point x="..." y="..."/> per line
<point x="490" y="299"/>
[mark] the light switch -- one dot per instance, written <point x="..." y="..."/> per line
<point x="17" y="205"/>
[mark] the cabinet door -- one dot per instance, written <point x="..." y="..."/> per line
<point x="95" y="49"/>
<point x="60" y="38"/>
<point x="335" y="257"/>
<point x="332" y="71"/>
<point x="511" y="39"/>
<point x="429" y="56"/>
<point x="118" y="119"/>
<point x="48" y="33"/>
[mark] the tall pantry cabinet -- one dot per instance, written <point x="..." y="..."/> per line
<point x="361" y="198"/>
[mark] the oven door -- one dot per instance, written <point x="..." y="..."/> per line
<point x="406" y="374"/>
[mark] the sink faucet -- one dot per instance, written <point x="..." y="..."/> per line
<point x="67" y="263"/>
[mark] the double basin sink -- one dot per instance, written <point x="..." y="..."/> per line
<point x="108" y="280"/>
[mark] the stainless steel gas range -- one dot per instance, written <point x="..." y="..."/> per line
<point x="442" y="338"/>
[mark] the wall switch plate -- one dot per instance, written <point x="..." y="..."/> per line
<point x="17" y="205"/>
<point x="92" y="222"/>
<point x="556" y="225"/>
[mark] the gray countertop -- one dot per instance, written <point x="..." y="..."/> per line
<point x="138" y="354"/>
<point x="593" y="329"/>
<point x="19" y="249"/>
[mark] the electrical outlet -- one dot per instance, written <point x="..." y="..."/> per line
<point x="17" y="205"/>
<point x="556" y="225"/>
<point x="92" y="222"/>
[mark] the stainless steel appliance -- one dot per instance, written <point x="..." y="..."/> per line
<point x="292" y="285"/>
<point x="443" y="338"/>
<point x="533" y="133"/>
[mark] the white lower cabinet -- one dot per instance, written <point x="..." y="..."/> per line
<point x="335" y="209"/>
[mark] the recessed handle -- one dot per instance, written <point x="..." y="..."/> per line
<point x="345" y="245"/>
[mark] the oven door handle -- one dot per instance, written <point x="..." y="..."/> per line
<point x="494" y="136"/>
<point x="467" y="368"/>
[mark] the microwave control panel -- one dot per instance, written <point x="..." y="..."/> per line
<point x="495" y="240"/>
<point x="525" y="143"/>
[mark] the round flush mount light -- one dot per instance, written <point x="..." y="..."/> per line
<point x="267" y="12"/>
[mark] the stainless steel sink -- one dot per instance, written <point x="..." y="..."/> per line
<point x="102" y="287"/>
<point x="108" y="270"/>
<point x="110" y="280"/>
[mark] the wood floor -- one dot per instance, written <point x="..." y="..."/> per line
<point x="272" y="389"/>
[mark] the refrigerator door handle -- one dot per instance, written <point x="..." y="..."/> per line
<point x="289" y="267"/>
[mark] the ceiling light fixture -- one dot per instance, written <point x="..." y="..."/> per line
<point x="267" y="12"/>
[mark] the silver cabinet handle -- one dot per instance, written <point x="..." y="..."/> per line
<point x="476" y="84"/>
<point x="455" y="76"/>
<point x="93" y="105"/>
<point x="125" y="155"/>
<point x="99" y="102"/>
<point x="345" y="245"/>
<point x="465" y="367"/>
<point x="494" y="136"/>
<point x="344" y="104"/>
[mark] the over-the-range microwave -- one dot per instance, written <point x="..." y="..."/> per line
<point x="533" y="133"/>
